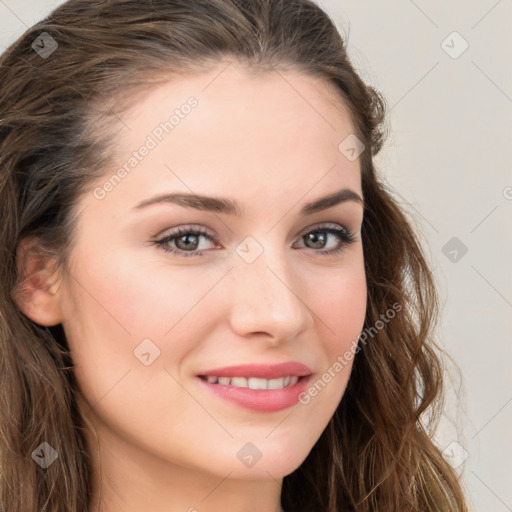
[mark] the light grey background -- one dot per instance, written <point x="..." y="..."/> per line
<point x="446" y="158"/>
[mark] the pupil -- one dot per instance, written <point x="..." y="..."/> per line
<point x="315" y="237"/>
<point x="188" y="243"/>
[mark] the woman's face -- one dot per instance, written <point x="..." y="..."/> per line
<point x="144" y="319"/>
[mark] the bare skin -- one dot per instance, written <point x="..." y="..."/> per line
<point x="162" y="441"/>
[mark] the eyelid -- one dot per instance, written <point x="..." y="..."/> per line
<point x="185" y="227"/>
<point x="320" y="225"/>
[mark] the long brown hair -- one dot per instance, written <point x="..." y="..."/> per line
<point x="55" y="108"/>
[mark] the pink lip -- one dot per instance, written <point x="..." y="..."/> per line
<point x="261" y="400"/>
<point x="263" y="371"/>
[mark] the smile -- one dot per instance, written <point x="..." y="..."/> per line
<point x="253" y="382"/>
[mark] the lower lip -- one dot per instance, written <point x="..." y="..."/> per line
<point x="261" y="400"/>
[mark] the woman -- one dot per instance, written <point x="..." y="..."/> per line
<point x="210" y="301"/>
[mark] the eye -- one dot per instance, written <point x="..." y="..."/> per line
<point x="184" y="239"/>
<point x="320" y="236"/>
<point x="185" y="242"/>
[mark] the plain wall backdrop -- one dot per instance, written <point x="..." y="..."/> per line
<point x="446" y="74"/>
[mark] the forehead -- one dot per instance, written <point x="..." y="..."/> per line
<point x="230" y="128"/>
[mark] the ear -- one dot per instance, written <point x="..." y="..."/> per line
<point x="38" y="292"/>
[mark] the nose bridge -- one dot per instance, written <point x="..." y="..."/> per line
<point x="267" y="296"/>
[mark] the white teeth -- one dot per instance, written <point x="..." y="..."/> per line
<point x="275" y="383"/>
<point x="254" y="382"/>
<point x="239" y="382"/>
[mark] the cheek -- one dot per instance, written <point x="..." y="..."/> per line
<point x="110" y="314"/>
<point x="345" y="308"/>
<point x="134" y="295"/>
<point x="338" y="297"/>
<point x="113" y="303"/>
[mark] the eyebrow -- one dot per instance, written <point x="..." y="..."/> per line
<point x="230" y="207"/>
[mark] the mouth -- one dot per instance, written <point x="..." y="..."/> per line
<point x="260" y="387"/>
<point x="254" y="382"/>
<point x="257" y="394"/>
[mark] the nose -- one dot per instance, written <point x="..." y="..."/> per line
<point x="268" y="299"/>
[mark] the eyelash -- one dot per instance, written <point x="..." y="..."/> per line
<point x="344" y="235"/>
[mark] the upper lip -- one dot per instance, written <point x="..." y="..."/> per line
<point x="264" y="371"/>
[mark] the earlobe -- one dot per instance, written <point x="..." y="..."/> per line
<point x="37" y="294"/>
